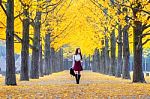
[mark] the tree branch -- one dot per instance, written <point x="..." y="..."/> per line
<point x="20" y="40"/>
<point x="3" y="8"/>
<point x="145" y="26"/>
<point x="143" y="35"/>
<point x="63" y="29"/>
<point x="145" y="42"/>
<point x="22" y="3"/>
<point x="18" y="15"/>
<point x="56" y="4"/>
<point x="3" y="24"/>
<point x="100" y="7"/>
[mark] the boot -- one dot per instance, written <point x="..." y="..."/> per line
<point x="76" y="76"/>
<point x="78" y="80"/>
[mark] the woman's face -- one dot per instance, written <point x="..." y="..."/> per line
<point x="79" y="50"/>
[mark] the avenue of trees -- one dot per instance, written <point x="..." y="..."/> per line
<point x="108" y="31"/>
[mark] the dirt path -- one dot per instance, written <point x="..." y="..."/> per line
<point x="62" y="86"/>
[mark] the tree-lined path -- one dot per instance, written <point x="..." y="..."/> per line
<point x="38" y="39"/>
<point x="62" y="86"/>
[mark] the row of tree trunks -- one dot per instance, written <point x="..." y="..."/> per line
<point x="37" y="62"/>
<point x="56" y="61"/>
<point x="101" y="60"/>
<point x="122" y="66"/>
<point x="96" y="61"/>
<point x="86" y="63"/>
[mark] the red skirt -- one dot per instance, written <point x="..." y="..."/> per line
<point x="77" y="66"/>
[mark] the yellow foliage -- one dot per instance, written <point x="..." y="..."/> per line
<point x="77" y="23"/>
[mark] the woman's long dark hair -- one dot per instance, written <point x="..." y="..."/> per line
<point x="78" y="53"/>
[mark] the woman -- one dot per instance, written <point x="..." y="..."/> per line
<point x="77" y="61"/>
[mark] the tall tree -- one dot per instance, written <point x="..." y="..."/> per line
<point x="126" y="54"/>
<point x="41" y="61"/>
<point x="10" y="78"/>
<point x="103" y="61"/>
<point x="52" y="59"/>
<point x="113" y="54"/>
<point x="47" y="53"/>
<point x="34" y="73"/>
<point x="107" y="59"/>
<point x="24" y="75"/>
<point x="61" y="60"/>
<point x="119" y="60"/>
<point x="138" y="29"/>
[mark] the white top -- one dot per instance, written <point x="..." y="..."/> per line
<point x="76" y="58"/>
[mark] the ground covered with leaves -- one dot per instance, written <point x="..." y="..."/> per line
<point x="62" y="86"/>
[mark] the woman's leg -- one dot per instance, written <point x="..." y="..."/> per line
<point x="76" y="76"/>
<point x="79" y="75"/>
<point x="78" y="72"/>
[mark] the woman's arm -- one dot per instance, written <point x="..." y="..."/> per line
<point x="82" y="62"/>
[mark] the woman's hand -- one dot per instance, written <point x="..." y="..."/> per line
<point x="81" y="62"/>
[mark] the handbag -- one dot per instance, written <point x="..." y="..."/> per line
<point x="72" y="71"/>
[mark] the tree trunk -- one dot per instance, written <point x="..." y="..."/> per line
<point x="52" y="59"/>
<point x="57" y="61"/>
<point x="10" y="78"/>
<point x="36" y="44"/>
<point x="24" y="76"/>
<point x="101" y="61"/>
<point x="113" y="53"/>
<point x="138" y="75"/>
<point x="119" y="61"/>
<point x="47" y="54"/>
<point x="61" y="60"/>
<point x="89" y="64"/>
<point x="107" y="64"/>
<point x="126" y="55"/>
<point x="97" y="60"/>
<point x="103" y="64"/>
<point x="41" y="62"/>
<point x="93" y="64"/>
